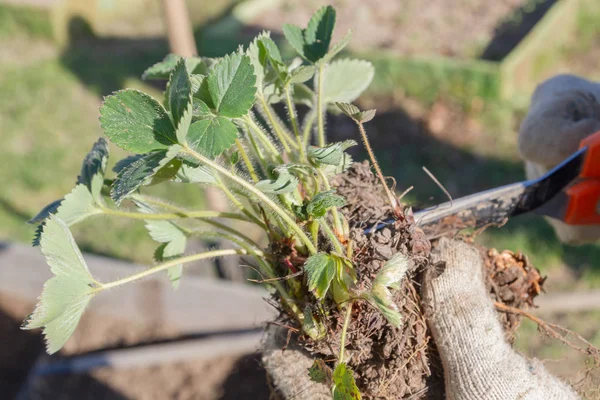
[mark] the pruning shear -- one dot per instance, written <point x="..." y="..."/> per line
<point x="569" y="192"/>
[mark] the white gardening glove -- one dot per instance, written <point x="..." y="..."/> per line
<point x="478" y="362"/>
<point x="564" y="110"/>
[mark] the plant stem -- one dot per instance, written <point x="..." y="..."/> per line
<point x="171" y="263"/>
<point x="344" y="330"/>
<point x="292" y="114"/>
<point x="320" y="114"/>
<point x="314" y="231"/>
<point x="258" y="154"/>
<point x="281" y="135"/>
<point x="236" y="202"/>
<point x="177" y="215"/>
<point x="334" y="212"/>
<point x="391" y="197"/>
<point x="332" y="237"/>
<point x="308" y="123"/>
<point x="261" y="196"/>
<point x="233" y="232"/>
<point x="246" y="160"/>
<point x="263" y="137"/>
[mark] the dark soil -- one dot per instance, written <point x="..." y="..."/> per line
<point x="513" y="281"/>
<point x="392" y="363"/>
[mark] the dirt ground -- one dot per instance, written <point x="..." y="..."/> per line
<point x="415" y="27"/>
<point x="228" y="377"/>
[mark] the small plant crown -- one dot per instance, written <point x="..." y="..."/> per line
<point x="216" y="126"/>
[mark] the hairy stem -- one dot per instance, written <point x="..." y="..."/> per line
<point x="171" y="263"/>
<point x="313" y="226"/>
<point x="260" y="195"/>
<point x="236" y="202"/>
<point x="309" y="120"/>
<point x="177" y="215"/>
<point x="332" y="237"/>
<point x="262" y="136"/>
<point x="334" y="211"/>
<point x="235" y="234"/>
<point x="344" y="330"/>
<point x="292" y="114"/>
<point x="246" y="160"/>
<point x="277" y="128"/>
<point x="257" y="151"/>
<point x="391" y="197"/>
<point x="320" y="113"/>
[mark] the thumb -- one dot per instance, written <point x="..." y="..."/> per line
<point x="478" y="362"/>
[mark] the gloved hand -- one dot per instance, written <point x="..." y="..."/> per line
<point x="564" y="110"/>
<point x="478" y="362"/>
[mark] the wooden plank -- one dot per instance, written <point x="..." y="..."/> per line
<point x="199" y="305"/>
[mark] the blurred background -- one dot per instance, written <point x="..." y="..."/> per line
<point x="453" y="81"/>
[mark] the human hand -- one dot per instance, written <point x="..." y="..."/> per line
<point x="564" y="110"/>
<point x="478" y="362"/>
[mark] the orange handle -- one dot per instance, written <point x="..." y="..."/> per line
<point x="583" y="203"/>
<point x="582" y="207"/>
<point x="591" y="164"/>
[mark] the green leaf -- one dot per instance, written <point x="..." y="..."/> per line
<point x="174" y="240"/>
<point x="93" y="169"/>
<point x="231" y="85"/>
<point x="350" y="110"/>
<point x="319" y="372"/>
<point x="295" y="37"/>
<point x="317" y="206"/>
<point x="77" y="206"/>
<point x="344" y="386"/>
<point x="319" y="270"/>
<point x="339" y="46"/>
<point x="258" y="57"/>
<point x="136" y="122"/>
<point x="302" y="74"/>
<point x="200" y="109"/>
<point x="331" y="154"/>
<point x="285" y="183"/>
<point x="211" y="137"/>
<point x="167" y="172"/>
<point x="164" y="68"/>
<point x="184" y="123"/>
<point x="45" y="212"/>
<point x="194" y="174"/>
<point x="203" y="94"/>
<point x="317" y="35"/>
<point x="180" y="92"/>
<point x="393" y="271"/>
<point x="66" y="295"/>
<point x="389" y="277"/>
<point x="139" y="172"/>
<point x="346" y="79"/>
<point x="270" y="48"/>
<point x="354" y="112"/>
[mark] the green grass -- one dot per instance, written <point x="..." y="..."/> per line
<point x="24" y="21"/>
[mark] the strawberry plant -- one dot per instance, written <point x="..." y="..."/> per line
<point x="216" y="126"/>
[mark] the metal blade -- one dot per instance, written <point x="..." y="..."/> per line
<point x="493" y="207"/>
